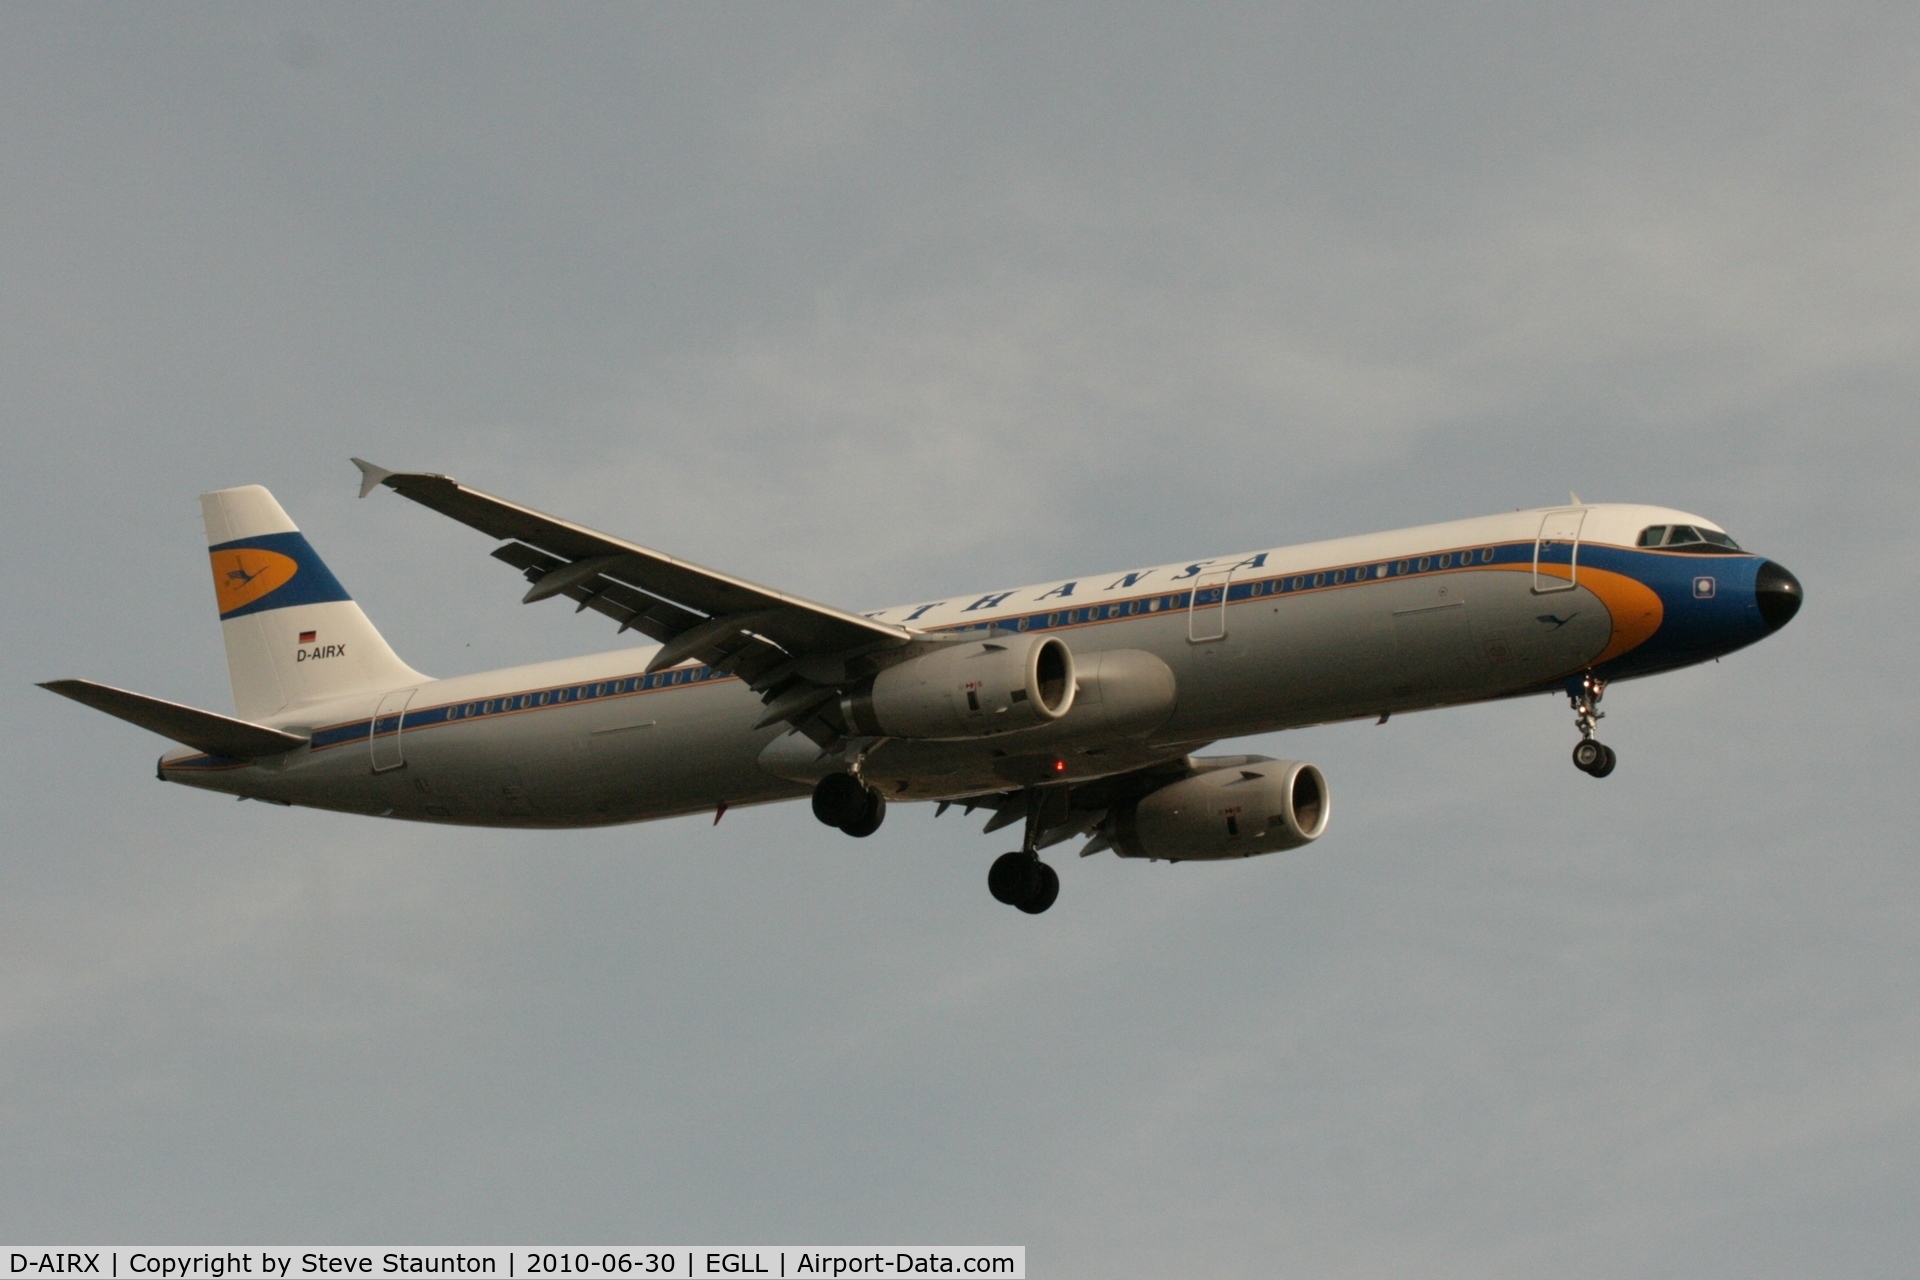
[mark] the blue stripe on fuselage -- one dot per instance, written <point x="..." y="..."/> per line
<point x="1694" y="629"/>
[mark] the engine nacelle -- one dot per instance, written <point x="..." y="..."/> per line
<point x="1262" y="806"/>
<point x="967" y="689"/>
<point x="1121" y="692"/>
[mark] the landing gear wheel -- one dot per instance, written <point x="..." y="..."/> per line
<point x="1043" y="893"/>
<point x="1013" y="877"/>
<point x="1022" y="880"/>
<point x="873" y="812"/>
<point x="839" y="799"/>
<point x="1594" y="758"/>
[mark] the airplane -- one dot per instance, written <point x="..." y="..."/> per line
<point x="1074" y="708"/>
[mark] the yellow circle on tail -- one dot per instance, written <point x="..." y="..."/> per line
<point x="242" y="575"/>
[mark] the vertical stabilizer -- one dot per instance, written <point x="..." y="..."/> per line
<point x="293" y="635"/>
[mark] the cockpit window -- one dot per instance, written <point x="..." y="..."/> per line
<point x="1685" y="537"/>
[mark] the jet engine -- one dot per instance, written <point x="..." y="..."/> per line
<point x="1249" y="807"/>
<point x="967" y="689"/>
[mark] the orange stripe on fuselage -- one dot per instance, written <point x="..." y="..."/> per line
<point x="1634" y="607"/>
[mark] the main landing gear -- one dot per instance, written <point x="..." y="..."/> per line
<point x="1020" y="879"/>
<point x="1590" y="755"/>
<point x="842" y="800"/>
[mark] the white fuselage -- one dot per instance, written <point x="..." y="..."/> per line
<point x="1268" y="640"/>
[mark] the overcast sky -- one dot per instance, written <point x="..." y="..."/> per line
<point x="879" y="303"/>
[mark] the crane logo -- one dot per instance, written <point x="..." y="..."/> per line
<point x="242" y="575"/>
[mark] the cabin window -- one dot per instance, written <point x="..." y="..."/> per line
<point x="1319" y="579"/>
<point x="1400" y="566"/>
<point x="1486" y="555"/>
<point x="1420" y="565"/>
<point x="1338" y="576"/>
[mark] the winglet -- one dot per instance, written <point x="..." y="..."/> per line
<point x="370" y="475"/>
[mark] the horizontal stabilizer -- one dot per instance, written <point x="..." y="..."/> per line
<point x="202" y="730"/>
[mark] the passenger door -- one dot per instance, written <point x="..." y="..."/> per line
<point x="1207" y="606"/>
<point x="1558" y="544"/>
<point x="384" y="735"/>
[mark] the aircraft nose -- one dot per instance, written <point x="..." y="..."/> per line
<point x="1778" y="594"/>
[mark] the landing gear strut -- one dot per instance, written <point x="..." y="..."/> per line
<point x="1020" y="879"/>
<point x="1590" y="755"/>
<point x="842" y="800"/>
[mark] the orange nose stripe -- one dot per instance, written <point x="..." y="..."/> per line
<point x="1634" y="606"/>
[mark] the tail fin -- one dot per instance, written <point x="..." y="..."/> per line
<point x="293" y="634"/>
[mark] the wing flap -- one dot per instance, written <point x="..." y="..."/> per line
<point x="202" y="730"/>
<point x="632" y="608"/>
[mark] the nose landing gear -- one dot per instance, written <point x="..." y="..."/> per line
<point x="1593" y="757"/>
<point x="1590" y="756"/>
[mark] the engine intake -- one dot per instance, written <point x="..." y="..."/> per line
<point x="968" y="689"/>
<point x="1236" y="811"/>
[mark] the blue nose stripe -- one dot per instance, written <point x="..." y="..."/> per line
<point x="1712" y="604"/>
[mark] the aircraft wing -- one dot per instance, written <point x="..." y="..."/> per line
<point x="767" y="637"/>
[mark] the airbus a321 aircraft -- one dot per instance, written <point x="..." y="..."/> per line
<point x="1072" y="708"/>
